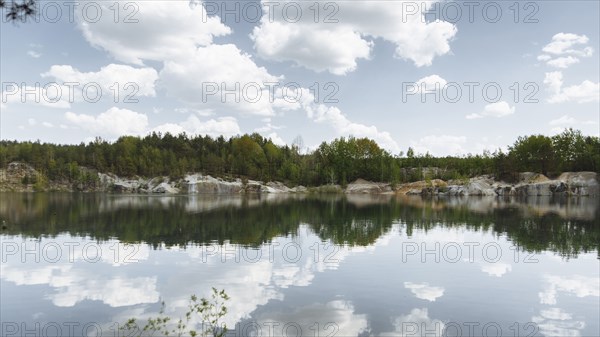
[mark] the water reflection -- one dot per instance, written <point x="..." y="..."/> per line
<point x="563" y="225"/>
<point x="354" y="266"/>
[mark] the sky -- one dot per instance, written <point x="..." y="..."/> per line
<point x="447" y="77"/>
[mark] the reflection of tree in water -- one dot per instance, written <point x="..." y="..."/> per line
<point x="183" y="220"/>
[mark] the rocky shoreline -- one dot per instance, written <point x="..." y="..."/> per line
<point x="17" y="177"/>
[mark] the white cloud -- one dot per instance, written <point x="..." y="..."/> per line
<point x="565" y="50"/>
<point x="440" y="145"/>
<point x="343" y="126"/>
<point x="336" y="47"/>
<point x="336" y="50"/>
<point x="48" y="124"/>
<point x="31" y="121"/>
<point x="498" y="109"/>
<point x="431" y="83"/>
<point x="221" y="76"/>
<point x="50" y="95"/>
<point x="585" y="92"/>
<point x="563" y="62"/>
<point x="268" y="127"/>
<point x="33" y="54"/>
<point x="113" y="122"/>
<point x="567" y="43"/>
<point x="276" y="139"/>
<point x="424" y="291"/>
<point x="164" y="30"/>
<point x="225" y="126"/>
<point x="201" y="74"/>
<point x="568" y="120"/>
<point x="544" y="57"/>
<point x="554" y="82"/>
<point x="128" y="80"/>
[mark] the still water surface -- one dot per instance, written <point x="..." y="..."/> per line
<point x="75" y="264"/>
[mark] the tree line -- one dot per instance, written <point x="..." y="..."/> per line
<point x="340" y="161"/>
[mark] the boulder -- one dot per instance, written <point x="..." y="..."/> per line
<point x="122" y="187"/>
<point x="276" y="187"/>
<point x="199" y="184"/>
<point x="581" y="183"/>
<point x="537" y="189"/>
<point x="253" y="187"/>
<point x="505" y="190"/>
<point x="165" y="187"/>
<point x="456" y="190"/>
<point x="532" y="177"/>
<point x="479" y="186"/>
<point x="299" y="189"/>
<point x="362" y="186"/>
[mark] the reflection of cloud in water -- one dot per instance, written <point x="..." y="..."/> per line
<point x="424" y="291"/>
<point x="335" y="318"/>
<point x="115" y="292"/>
<point x="580" y="286"/>
<point x="74" y="276"/>
<point x="555" y="322"/>
<point x="75" y="285"/>
<point x="253" y="279"/>
<point x="496" y="269"/>
<point x="34" y="275"/>
<point x="416" y="323"/>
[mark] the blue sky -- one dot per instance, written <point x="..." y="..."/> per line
<point x="363" y="68"/>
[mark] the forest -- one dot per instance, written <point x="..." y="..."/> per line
<point x="340" y="161"/>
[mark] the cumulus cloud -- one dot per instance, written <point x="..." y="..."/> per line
<point x="34" y="54"/>
<point x="128" y="80"/>
<point x="343" y="126"/>
<point x="431" y="83"/>
<point x="498" y="109"/>
<point x="336" y="47"/>
<point x="113" y="122"/>
<point x="585" y="92"/>
<point x="424" y="291"/>
<point x="440" y="145"/>
<point x="565" y="49"/>
<point x="225" y="126"/>
<point x="274" y="137"/>
<point x="222" y="76"/>
<point x="567" y="120"/>
<point x="163" y="30"/>
<point x="563" y="62"/>
<point x="268" y="127"/>
<point x="567" y="44"/>
<point x="52" y="96"/>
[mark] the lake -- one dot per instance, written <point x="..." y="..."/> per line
<point x="83" y="264"/>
